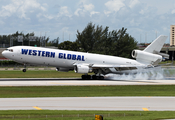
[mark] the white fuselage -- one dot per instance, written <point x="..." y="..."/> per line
<point x="81" y="62"/>
<point x="61" y="58"/>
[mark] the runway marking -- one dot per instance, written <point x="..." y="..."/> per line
<point x="145" y="109"/>
<point x="37" y="108"/>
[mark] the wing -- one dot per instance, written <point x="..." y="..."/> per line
<point x="108" y="68"/>
<point x="118" y="67"/>
<point x="115" y="66"/>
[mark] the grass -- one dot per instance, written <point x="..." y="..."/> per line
<point x="38" y="74"/>
<point x="85" y="115"/>
<point x="167" y="62"/>
<point x="87" y="91"/>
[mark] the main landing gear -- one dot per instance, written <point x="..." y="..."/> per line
<point x="97" y="76"/>
<point x="93" y="77"/>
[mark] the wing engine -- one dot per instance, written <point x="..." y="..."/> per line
<point x="82" y="69"/>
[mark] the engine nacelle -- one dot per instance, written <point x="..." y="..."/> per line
<point x="82" y="69"/>
<point x="146" y="57"/>
<point x="63" y="69"/>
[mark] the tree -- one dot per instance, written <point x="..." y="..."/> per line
<point x="98" y="40"/>
<point x="90" y="38"/>
<point x="7" y="40"/>
<point x="68" y="45"/>
<point x="120" y="43"/>
<point x="52" y="42"/>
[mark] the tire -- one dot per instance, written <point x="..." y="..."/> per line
<point x="94" y="77"/>
<point x="101" y="78"/>
<point x="84" y="77"/>
<point x="88" y="77"/>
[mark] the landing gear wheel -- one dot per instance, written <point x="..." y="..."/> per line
<point x="83" y="77"/>
<point x="101" y="77"/>
<point x="94" y="77"/>
<point x="97" y="77"/>
<point x="24" y="70"/>
<point x="86" y="77"/>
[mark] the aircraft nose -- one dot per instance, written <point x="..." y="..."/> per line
<point x="3" y="53"/>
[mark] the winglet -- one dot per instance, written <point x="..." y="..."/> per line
<point x="156" y="45"/>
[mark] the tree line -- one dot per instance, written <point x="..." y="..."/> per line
<point x="13" y="40"/>
<point x="96" y="39"/>
<point x="93" y="39"/>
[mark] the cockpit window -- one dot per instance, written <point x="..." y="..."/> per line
<point x="11" y="50"/>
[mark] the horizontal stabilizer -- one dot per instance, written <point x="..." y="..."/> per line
<point x="166" y="56"/>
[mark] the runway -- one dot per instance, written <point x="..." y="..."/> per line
<point x="90" y="103"/>
<point x="79" y="82"/>
<point x="86" y="103"/>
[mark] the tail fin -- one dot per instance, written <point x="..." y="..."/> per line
<point x="156" y="45"/>
<point x="151" y="54"/>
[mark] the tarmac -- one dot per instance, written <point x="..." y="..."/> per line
<point x="86" y="103"/>
<point x="78" y="82"/>
<point x="90" y="103"/>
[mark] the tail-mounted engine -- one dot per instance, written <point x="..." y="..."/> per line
<point x="146" y="57"/>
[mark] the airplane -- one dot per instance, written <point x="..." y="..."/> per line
<point x="85" y="63"/>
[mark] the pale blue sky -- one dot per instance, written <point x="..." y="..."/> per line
<point x="58" y="18"/>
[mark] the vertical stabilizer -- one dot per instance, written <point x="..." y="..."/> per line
<point x="151" y="55"/>
<point x="156" y="45"/>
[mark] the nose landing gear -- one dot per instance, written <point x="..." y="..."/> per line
<point x="24" y="70"/>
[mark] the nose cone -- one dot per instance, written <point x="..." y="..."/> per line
<point x="4" y="54"/>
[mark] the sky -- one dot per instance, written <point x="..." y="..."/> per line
<point x="144" y="19"/>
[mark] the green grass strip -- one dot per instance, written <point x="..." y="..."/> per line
<point x="38" y="74"/>
<point x="84" y="115"/>
<point x="87" y="91"/>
